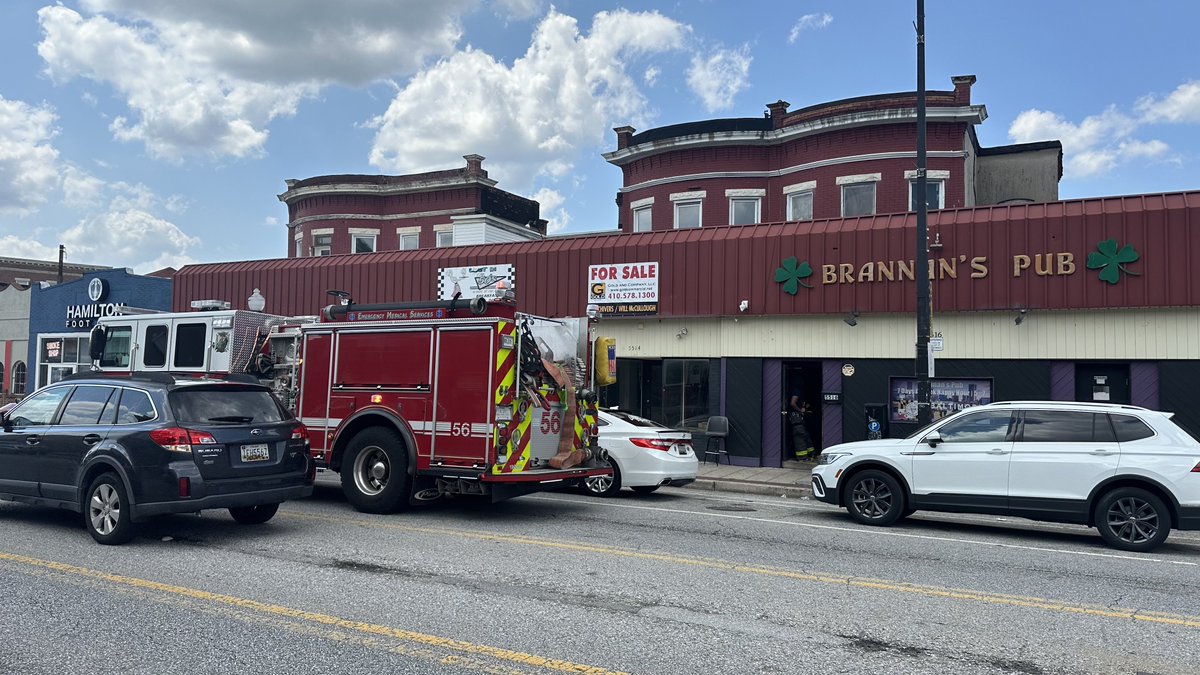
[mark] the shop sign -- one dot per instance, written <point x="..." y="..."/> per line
<point x="623" y="289"/>
<point x="83" y="316"/>
<point x="489" y="282"/>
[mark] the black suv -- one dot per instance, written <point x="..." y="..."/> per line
<point x="122" y="449"/>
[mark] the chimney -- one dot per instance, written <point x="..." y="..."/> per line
<point x="474" y="165"/>
<point x="623" y="136"/>
<point x="777" y="110"/>
<point x="962" y="88"/>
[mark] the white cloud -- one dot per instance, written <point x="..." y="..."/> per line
<point x="81" y="189"/>
<point x="129" y="237"/>
<point x="519" y="10"/>
<point x="24" y="247"/>
<point x="552" y="202"/>
<point x="271" y="221"/>
<point x="28" y="162"/>
<point x="207" y="78"/>
<point x="716" y="79"/>
<point x="1181" y="105"/>
<point x="651" y="75"/>
<point x="1092" y="147"/>
<point x="813" y="21"/>
<point x="532" y="119"/>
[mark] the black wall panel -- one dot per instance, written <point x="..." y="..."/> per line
<point x="743" y="406"/>
<point x="1179" y="382"/>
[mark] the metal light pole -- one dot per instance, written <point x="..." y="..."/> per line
<point x="924" y="414"/>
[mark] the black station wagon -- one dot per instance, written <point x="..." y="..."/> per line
<point x="120" y="450"/>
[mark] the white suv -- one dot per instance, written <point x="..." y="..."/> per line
<point x="1130" y="472"/>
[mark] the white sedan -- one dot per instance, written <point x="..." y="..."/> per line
<point x="644" y="455"/>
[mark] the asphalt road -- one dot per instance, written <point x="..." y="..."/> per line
<point x="680" y="581"/>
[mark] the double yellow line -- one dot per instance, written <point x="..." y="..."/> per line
<point x="448" y="644"/>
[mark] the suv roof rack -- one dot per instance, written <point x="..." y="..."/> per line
<point x="160" y="378"/>
<point x="1086" y="404"/>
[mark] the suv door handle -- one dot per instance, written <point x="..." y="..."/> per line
<point x="91" y="439"/>
<point x="32" y="439"/>
<point x="1103" y="453"/>
<point x="997" y="451"/>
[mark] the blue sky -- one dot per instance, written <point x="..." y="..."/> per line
<point x="147" y="133"/>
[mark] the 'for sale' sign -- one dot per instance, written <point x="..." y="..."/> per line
<point x="624" y="289"/>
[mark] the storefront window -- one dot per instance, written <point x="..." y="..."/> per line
<point x="685" y="402"/>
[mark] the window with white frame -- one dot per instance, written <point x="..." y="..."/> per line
<point x="410" y="242"/>
<point x="18" y="378"/>
<point x="299" y="247"/>
<point x="935" y="189"/>
<point x="858" y="194"/>
<point x="745" y="206"/>
<point x="688" y="211"/>
<point x="641" y="220"/>
<point x="445" y="238"/>
<point x="364" y="243"/>
<point x="800" y="200"/>
<point x="322" y="244"/>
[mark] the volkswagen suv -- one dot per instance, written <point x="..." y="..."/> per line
<point x="120" y="450"/>
<point x="1131" y="473"/>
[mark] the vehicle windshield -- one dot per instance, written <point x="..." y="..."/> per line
<point x="225" y="405"/>
<point x="634" y="419"/>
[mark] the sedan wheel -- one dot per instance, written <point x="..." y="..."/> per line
<point x="874" y="498"/>
<point x="604" y="486"/>
<point x="1132" y="519"/>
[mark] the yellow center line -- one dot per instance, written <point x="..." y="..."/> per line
<point x="856" y="582"/>
<point x="315" y="617"/>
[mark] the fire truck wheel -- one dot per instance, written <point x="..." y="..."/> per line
<point x="604" y="486"/>
<point x="375" y="472"/>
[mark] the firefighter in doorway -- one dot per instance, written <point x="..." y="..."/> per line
<point x="801" y="441"/>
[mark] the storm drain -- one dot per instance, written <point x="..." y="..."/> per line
<point x="732" y="507"/>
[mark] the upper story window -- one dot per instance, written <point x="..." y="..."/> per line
<point x="642" y="214"/>
<point x="688" y="209"/>
<point x="858" y="194"/>
<point x="18" y="378"/>
<point x="299" y="247"/>
<point x="322" y="244"/>
<point x="745" y="206"/>
<point x="935" y="189"/>
<point x="445" y="238"/>
<point x="800" y="200"/>
<point x="364" y="243"/>
<point x="410" y="242"/>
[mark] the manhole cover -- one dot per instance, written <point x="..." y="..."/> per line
<point x="732" y="507"/>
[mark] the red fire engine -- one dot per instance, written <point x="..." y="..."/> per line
<point x="406" y="401"/>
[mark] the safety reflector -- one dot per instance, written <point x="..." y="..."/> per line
<point x="185" y="487"/>
<point x="376" y="398"/>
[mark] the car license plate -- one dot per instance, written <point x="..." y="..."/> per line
<point x="259" y="452"/>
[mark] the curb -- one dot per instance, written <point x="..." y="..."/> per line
<point x="748" y="487"/>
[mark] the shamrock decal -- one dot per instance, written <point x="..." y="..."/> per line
<point x="791" y="274"/>
<point x="1110" y="261"/>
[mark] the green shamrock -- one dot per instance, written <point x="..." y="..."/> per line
<point x="791" y="274"/>
<point x="1111" y="260"/>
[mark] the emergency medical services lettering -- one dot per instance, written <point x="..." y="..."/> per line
<point x="82" y="316"/>
<point x="393" y="315"/>
<point x="977" y="267"/>
<point x="624" y="288"/>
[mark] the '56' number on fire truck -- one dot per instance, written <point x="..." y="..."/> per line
<point x="551" y="422"/>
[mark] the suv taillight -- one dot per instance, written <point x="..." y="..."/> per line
<point x="177" y="439"/>
<point x="299" y="432"/>
<point x="1196" y="469"/>
<point x="652" y="443"/>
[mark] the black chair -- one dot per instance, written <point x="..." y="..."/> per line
<point x="717" y="431"/>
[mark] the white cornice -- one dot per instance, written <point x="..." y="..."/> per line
<point x="974" y="114"/>
<point x="776" y="173"/>
<point x="384" y="190"/>
<point x="493" y="221"/>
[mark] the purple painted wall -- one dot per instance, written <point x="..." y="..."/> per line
<point x="1143" y="384"/>
<point x="1062" y="381"/>
<point x="831" y="414"/>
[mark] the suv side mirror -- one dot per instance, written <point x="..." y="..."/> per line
<point x="933" y="438"/>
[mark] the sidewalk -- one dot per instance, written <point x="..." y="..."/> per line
<point x="790" y="481"/>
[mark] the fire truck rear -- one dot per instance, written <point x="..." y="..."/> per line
<point x="407" y="402"/>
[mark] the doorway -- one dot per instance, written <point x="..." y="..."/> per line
<point x="1102" y="382"/>
<point x="803" y="379"/>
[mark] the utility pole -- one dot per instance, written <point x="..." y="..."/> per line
<point x="924" y="413"/>
<point x="62" y="252"/>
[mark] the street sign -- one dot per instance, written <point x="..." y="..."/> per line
<point x="936" y="344"/>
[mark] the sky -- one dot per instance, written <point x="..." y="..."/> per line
<point x="155" y="133"/>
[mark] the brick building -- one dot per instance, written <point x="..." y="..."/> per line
<point x="329" y="215"/>
<point x="848" y="158"/>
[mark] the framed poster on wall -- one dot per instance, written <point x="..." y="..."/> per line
<point x="947" y="396"/>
